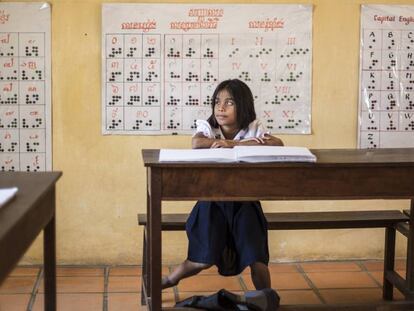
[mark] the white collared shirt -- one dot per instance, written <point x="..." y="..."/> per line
<point x="255" y="129"/>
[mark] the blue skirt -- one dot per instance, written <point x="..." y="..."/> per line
<point x="230" y="235"/>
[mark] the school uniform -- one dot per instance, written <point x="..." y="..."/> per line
<point x="230" y="235"/>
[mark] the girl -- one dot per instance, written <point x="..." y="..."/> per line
<point x="230" y="235"/>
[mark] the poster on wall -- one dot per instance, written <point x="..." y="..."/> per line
<point x="25" y="93"/>
<point x="386" y="99"/>
<point x="162" y="62"/>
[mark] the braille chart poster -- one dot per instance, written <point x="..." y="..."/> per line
<point x="386" y="104"/>
<point x="162" y="62"/>
<point x="25" y="96"/>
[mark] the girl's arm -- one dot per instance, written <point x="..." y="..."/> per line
<point x="199" y="141"/>
<point x="266" y="140"/>
<point x="270" y="140"/>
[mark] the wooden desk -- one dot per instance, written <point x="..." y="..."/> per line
<point x="338" y="174"/>
<point x="21" y="221"/>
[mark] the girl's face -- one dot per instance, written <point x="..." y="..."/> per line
<point x="225" y="109"/>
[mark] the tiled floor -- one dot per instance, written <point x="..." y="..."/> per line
<point x="118" y="288"/>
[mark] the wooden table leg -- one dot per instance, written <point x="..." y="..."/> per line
<point x="49" y="252"/>
<point x="147" y="235"/>
<point x="410" y="252"/>
<point x="389" y="258"/>
<point x="154" y="237"/>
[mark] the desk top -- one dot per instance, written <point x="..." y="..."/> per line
<point x="325" y="157"/>
<point x="31" y="187"/>
<point x="21" y="219"/>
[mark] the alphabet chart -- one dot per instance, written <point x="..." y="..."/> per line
<point x="386" y="99"/>
<point x="162" y="62"/>
<point x="25" y="104"/>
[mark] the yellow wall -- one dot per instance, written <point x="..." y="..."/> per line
<point x="103" y="183"/>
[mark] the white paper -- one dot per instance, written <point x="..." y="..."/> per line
<point x="386" y="99"/>
<point x="6" y="194"/>
<point x="25" y="87"/>
<point x="273" y="154"/>
<point x="202" y="155"/>
<point x="162" y="62"/>
<point x="238" y="154"/>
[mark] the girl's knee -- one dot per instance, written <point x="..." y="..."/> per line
<point x="258" y="265"/>
<point x="198" y="265"/>
<point x="203" y="266"/>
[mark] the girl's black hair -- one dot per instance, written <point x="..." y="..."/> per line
<point x="243" y="98"/>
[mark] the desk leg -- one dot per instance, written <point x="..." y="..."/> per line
<point x="154" y="239"/>
<point x="389" y="258"/>
<point x="410" y="252"/>
<point x="49" y="251"/>
<point x="147" y="236"/>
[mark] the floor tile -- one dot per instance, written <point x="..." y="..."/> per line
<point x="79" y="271"/>
<point x="124" y="302"/>
<point x="77" y="284"/>
<point x="71" y="302"/>
<point x="378" y="265"/>
<point x="81" y="287"/>
<point x="16" y="302"/>
<point x="341" y="279"/>
<point x="125" y="271"/>
<point x="206" y="282"/>
<point x="17" y="285"/>
<point x="357" y="295"/>
<point x="282" y="267"/>
<point x="212" y="270"/>
<point x="124" y="284"/>
<point x="168" y="299"/>
<point x="379" y="275"/>
<point x="25" y="271"/>
<point x="281" y="281"/>
<point x="276" y="268"/>
<point x="298" y="297"/>
<point x="329" y="266"/>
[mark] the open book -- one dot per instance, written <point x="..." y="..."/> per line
<point x="6" y="194"/>
<point x="239" y="154"/>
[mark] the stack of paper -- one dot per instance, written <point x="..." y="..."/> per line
<point x="6" y="194"/>
<point x="239" y="154"/>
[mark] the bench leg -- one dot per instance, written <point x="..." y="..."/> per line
<point x="410" y="254"/>
<point x="389" y="258"/>
<point x="144" y="268"/>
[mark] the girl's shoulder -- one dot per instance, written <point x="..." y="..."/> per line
<point x="255" y="129"/>
<point x="205" y="128"/>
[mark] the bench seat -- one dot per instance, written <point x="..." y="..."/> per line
<point x="391" y="220"/>
<point x="305" y="220"/>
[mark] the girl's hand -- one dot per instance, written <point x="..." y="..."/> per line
<point x="270" y="140"/>
<point x="222" y="143"/>
<point x="258" y="140"/>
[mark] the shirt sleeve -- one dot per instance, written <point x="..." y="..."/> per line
<point x="260" y="129"/>
<point x="204" y="128"/>
<point x="256" y="129"/>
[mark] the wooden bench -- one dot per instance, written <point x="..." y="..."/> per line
<point x="403" y="227"/>
<point x="388" y="219"/>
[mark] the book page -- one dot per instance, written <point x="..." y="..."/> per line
<point x="6" y="194"/>
<point x="273" y="154"/>
<point x="196" y="155"/>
